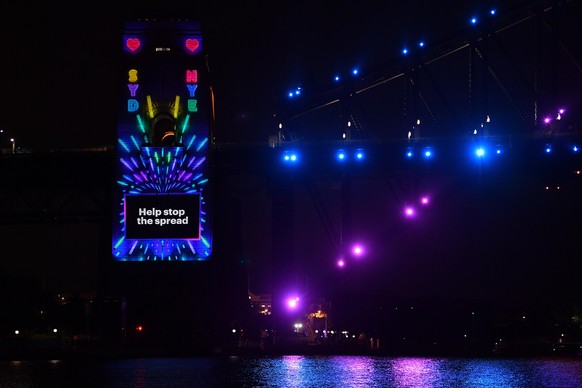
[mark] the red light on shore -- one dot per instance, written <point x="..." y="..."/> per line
<point x="139" y="328"/>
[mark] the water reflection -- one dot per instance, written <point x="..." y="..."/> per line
<point x="352" y="371"/>
<point x="493" y="373"/>
<point x="416" y="372"/>
<point x="294" y="371"/>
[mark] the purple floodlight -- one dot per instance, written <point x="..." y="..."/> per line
<point x="409" y="211"/>
<point x="293" y="302"/>
<point x="424" y="200"/>
<point x="341" y="263"/>
<point x="358" y="250"/>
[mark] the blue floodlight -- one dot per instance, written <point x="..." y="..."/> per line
<point x="355" y="71"/>
<point x="341" y="155"/>
<point x="575" y="148"/>
<point x="548" y="148"/>
<point x="290" y="157"/>
<point x="404" y="51"/>
<point x="409" y="153"/>
<point x="480" y="152"/>
<point x="473" y="20"/>
<point x="336" y="78"/>
<point x="359" y="154"/>
<point x="428" y="153"/>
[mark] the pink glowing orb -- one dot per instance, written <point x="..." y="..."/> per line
<point x="292" y="303"/>
<point x="358" y="250"/>
<point x="409" y="211"/>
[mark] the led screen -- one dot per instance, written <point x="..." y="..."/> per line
<point x="162" y="216"/>
<point x="163" y="192"/>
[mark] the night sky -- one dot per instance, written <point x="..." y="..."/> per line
<point x="63" y="61"/>
<point x="495" y="234"/>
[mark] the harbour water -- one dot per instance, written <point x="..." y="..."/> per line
<point x="294" y="371"/>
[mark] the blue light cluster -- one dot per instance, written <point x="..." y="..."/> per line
<point x="477" y="151"/>
<point x="296" y="92"/>
<point x="550" y="148"/>
<point x="482" y="151"/>
<point x="426" y="152"/>
<point x="290" y="157"/>
<point x="405" y="51"/>
<point x="342" y="155"/>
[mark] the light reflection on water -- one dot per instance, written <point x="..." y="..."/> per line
<point x="409" y="372"/>
<point x="294" y="371"/>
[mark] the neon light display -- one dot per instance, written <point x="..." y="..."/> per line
<point x="162" y="208"/>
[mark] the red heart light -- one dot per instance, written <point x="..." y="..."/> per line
<point x="132" y="44"/>
<point x="192" y="44"/>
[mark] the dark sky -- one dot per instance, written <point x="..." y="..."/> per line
<point x="59" y="88"/>
<point x="60" y="63"/>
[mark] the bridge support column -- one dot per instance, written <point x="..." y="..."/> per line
<point x="283" y="261"/>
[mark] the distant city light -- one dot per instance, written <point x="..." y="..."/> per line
<point x="298" y="327"/>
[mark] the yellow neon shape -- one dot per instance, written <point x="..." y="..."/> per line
<point x="176" y="107"/>
<point x="150" y="107"/>
<point x="132" y="75"/>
